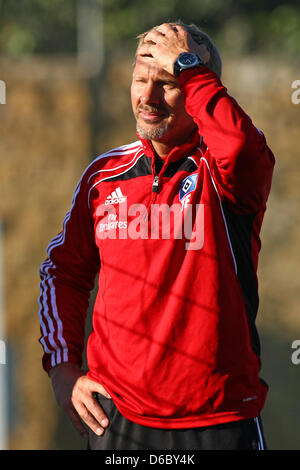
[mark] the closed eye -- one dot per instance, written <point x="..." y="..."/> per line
<point x="164" y="84"/>
<point x="139" y="79"/>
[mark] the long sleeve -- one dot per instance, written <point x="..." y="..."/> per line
<point x="67" y="278"/>
<point x="242" y="162"/>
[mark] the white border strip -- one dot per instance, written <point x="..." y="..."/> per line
<point x="113" y="176"/>
<point x="106" y="155"/>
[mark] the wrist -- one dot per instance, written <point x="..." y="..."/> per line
<point x="186" y="61"/>
<point x="63" y="366"/>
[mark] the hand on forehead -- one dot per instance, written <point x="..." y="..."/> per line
<point x="161" y="35"/>
<point x="166" y="29"/>
<point x="172" y="37"/>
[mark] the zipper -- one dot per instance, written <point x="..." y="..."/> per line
<point x="155" y="189"/>
<point x="155" y="185"/>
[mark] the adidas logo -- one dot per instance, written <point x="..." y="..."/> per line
<point x="116" y="197"/>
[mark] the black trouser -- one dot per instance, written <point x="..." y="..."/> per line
<point x="125" y="435"/>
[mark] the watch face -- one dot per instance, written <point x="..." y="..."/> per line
<point x="187" y="58"/>
<point x="185" y="61"/>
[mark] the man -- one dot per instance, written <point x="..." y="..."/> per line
<point x="171" y="224"/>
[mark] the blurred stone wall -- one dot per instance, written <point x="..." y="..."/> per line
<point x="264" y="90"/>
<point x="45" y="144"/>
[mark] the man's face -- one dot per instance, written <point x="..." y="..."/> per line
<point x="158" y="104"/>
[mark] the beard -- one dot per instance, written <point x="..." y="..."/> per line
<point x="152" y="134"/>
<point x="147" y="131"/>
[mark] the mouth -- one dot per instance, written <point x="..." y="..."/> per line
<point x="151" y="115"/>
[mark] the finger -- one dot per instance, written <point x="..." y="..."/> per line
<point x="167" y="28"/>
<point x="143" y="50"/>
<point x="96" y="411"/>
<point x="153" y="36"/>
<point x="84" y="395"/>
<point x="93" y="387"/>
<point x="89" y="419"/>
<point x="147" y="50"/>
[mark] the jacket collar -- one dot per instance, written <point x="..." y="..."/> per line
<point x="187" y="148"/>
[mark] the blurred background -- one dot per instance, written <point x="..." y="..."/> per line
<point x="65" y="70"/>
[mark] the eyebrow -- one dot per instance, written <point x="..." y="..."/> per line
<point x="168" y="81"/>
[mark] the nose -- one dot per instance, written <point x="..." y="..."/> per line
<point x="150" y="94"/>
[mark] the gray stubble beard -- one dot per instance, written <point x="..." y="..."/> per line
<point x="152" y="134"/>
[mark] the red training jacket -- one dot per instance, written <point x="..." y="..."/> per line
<point x="174" y="340"/>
